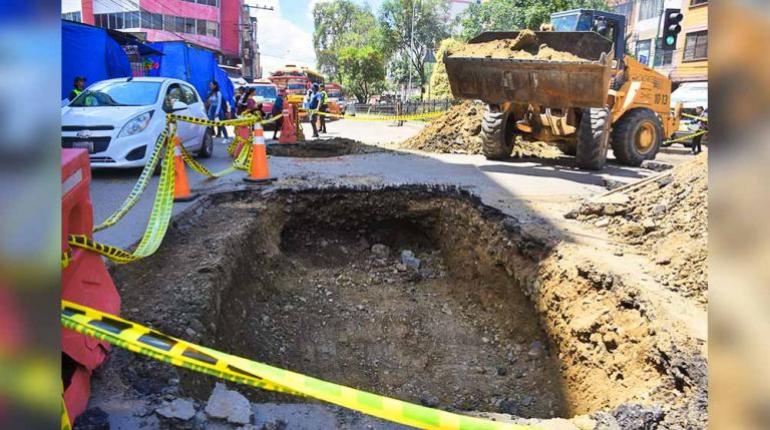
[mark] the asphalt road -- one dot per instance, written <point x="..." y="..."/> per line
<point x="528" y="189"/>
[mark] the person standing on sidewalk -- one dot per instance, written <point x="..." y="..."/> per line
<point x="313" y="105"/>
<point x="79" y="84"/>
<point x="701" y="126"/>
<point x="278" y="110"/>
<point x="323" y="107"/>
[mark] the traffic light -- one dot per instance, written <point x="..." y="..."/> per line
<point x="671" y="28"/>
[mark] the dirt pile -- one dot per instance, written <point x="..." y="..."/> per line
<point x="439" y="81"/>
<point x="525" y="46"/>
<point x="668" y="218"/>
<point x="458" y="131"/>
<point x="455" y="132"/>
<point x="321" y="148"/>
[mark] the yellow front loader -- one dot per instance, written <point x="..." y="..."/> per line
<point x="584" y="107"/>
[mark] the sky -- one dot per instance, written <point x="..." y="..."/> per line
<point x="285" y="35"/>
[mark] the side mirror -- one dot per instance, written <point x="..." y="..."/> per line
<point x="177" y="106"/>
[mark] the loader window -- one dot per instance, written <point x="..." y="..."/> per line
<point x="565" y="23"/>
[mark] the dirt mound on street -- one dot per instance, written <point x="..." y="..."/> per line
<point x="458" y="131"/>
<point x="524" y="47"/>
<point x="455" y="132"/>
<point x="668" y="218"/>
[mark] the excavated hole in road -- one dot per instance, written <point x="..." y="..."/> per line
<point x="298" y="279"/>
<point x="324" y="148"/>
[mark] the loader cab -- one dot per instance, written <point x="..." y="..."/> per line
<point x="610" y="25"/>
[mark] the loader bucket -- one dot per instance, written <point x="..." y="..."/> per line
<point x="558" y="84"/>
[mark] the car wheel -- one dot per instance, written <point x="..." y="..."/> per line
<point x="207" y="145"/>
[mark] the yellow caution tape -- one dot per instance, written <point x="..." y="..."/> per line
<point x="65" y="418"/>
<point x="699" y="118"/>
<point x="145" y="341"/>
<point x="685" y="138"/>
<point x="140" y="185"/>
<point x="240" y="163"/>
<point x="248" y="119"/>
<point x="156" y="225"/>
<point x="66" y="259"/>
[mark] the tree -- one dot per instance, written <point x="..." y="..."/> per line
<point x="439" y="81"/>
<point x="362" y="71"/>
<point x="515" y="15"/>
<point x="339" y="24"/>
<point x="396" y="26"/>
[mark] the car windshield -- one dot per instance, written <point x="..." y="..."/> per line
<point x="131" y="93"/>
<point x="296" y="86"/>
<point x="334" y="93"/>
<point x="266" y="92"/>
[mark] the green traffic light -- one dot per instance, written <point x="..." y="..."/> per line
<point x="670" y="40"/>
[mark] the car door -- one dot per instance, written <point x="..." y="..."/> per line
<point x="197" y="109"/>
<point x="184" y="130"/>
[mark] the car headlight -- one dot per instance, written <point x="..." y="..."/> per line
<point x="136" y="124"/>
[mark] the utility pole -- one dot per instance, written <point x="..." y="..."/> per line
<point x="250" y="61"/>
<point x="411" y="51"/>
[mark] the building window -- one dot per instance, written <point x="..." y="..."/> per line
<point x="133" y="19"/>
<point x="649" y="9"/>
<point x="698" y="2"/>
<point x="643" y="51"/>
<point x="696" y="46"/>
<point x="212" y="29"/>
<point x="201" y="27"/>
<point x="72" y="16"/>
<point x="625" y="9"/>
<point x="189" y="25"/>
<point x="662" y="57"/>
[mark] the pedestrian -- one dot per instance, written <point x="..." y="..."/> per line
<point x="314" y="104"/>
<point x="213" y="102"/>
<point x="224" y="114"/>
<point x="240" y="100"/>
<point x="278" y="110"/>
<point x="79" y="85"/>
<point x="324" y="107"/>
<point x="250" y="105"/>
<point x="701" y="125"/>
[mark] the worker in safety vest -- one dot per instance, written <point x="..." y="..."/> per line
<point x="324" y="108"/>
<point x="80" y="84"/>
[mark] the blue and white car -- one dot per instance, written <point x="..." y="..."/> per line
<point x="119" y="120"/>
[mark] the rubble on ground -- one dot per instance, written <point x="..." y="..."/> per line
<point x="666" y="217"/>
<point x="458" y="131"/>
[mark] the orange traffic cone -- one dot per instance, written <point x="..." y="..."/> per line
<point x="181" y="186"/>
<point x="288" y="131"/>
<point x="259" y="171"/>
<point x="243" y="132"/>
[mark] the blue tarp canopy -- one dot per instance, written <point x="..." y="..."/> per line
<point x="89" y="51"/>
<point x="195" y="65"/>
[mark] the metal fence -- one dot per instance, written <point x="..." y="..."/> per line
<point x="406" y="108"/>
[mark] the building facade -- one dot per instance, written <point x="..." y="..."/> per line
<point x="689" y="61"/>
<point x="212" y="24"/>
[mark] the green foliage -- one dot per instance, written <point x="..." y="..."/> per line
<point x="340" y="24"/>
<point x="439" y="82"/>
<point x="513" y="15"/>
<point x="396" y="29"/>
<point x="362" y="71"/>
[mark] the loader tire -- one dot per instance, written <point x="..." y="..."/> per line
<point x="637" y="136"/>
<point x="593" y="137"/>
<point x="496" y="144"/>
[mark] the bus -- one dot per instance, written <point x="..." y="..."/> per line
<point x="336" y="100"/>
<point x="296" y="81"/>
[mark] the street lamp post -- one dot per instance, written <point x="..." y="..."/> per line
<point x="411" y="50"/>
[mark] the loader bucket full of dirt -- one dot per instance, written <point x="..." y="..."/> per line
<point x="557" y="69"/>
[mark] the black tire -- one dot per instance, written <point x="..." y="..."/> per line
<point x="626" y="132"/>
<point x="207" y="144"/>
<point x="496" y="142"/>
<point x="568" y="148"/>
<point x="593" y="137"/>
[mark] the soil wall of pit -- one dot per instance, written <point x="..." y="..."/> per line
<point x="492" y="320"/>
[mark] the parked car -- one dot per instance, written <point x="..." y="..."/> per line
<point x="119" y="120"/>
